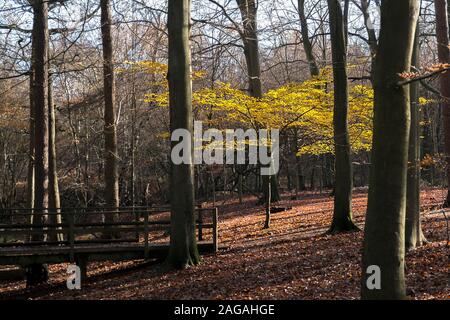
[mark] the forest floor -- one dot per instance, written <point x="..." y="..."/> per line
<point x="294" y="259"/>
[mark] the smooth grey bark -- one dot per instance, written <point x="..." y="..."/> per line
<point x="413" y="230"/>
<point x="442" y="35"/>
<point x="110" y="130"/>
<point x="53" y="195"/>
<point x="372" y="36"/>
<point x="31" y="155"/>
<point x="183" y="246"/>
<point x="111" y="175"/>
<point x="343" y="183"/>
<point x="307" y="45"/>
<point x="384" y="238"/>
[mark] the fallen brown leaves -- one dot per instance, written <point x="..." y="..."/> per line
<point x="291" y="260"/>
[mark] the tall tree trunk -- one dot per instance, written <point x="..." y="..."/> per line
<point x="442" y="35"/>
<point x="342" y="217"/>
<point x="413" y="230"/>
<point x="372" y="36"/>
<point x="110" y="133"/>
<point x="31" y="150"/>
<point x="38" y="273"/>
<point x="248" y="9"/>
<point x="314" y="71"/>
<point x="307" y="45"/>
<point x="53" y="195"/>
<point x="183" y="246"/>
<point x="384" y="241"/>
<point x="448" y="15"/>
<point x="249" y="35"/>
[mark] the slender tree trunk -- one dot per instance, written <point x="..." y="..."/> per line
<point x="38" y="273"/>
<point x="314" y="71"/>
<point x="183" y="246"/>
<point x="240" y="187"/>
<point x="307" y="45"/>
<point x="110" y="131"/>
<point x="413" y="230"/>
<point x="268" y="203"/>
<point x="111" y="175"/>
<point x="342" y="217"/>
<point x="345" y="20"/>
<point x="53" y="195"/>
<point x="249" y="35"/>
<point x="369" y="27"/>
<point x="31" y="150"/>
<point x="448" y="15"/>
<point x="41" y="111"/>
<point x="384" y="240"/>
<point x="248" y="9"/>
<point x="442" y="35"/>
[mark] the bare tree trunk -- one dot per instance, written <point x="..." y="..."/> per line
<point x="183" y="246"/>
<point x="53" y="195"/>
<point x="369" y="27"/>
<point x="110" y="133"/>
<point x="413" y="230"/>
<point x="38" y="273"/>
<point x="307" y="45"/>
<point x="343" y="185"/>
<point x="249" y="35"/>
<point x="268" y="203"/>
<point x="442" y="35"/>
<point x="248" y="9"/>
<point x="31" y="150"/>
<point x="448" y="15"/>
<point x="384" y="239"/>
<point x="41" y="110"/>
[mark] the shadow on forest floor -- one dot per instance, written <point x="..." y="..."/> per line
<point x="293" y="259"/>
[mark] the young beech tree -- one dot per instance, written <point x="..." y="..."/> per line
<point x="54" y="203"/>
<point x="384" y="243"/>
<point x="413" y="230"/>
<point x="343" y="181"/>
<point x="249" y="35"/>
<point x="307" y="45"/>
<point x="442" y="35"/>
<point x="183" y="246"/>
<point x="110" y="132"/>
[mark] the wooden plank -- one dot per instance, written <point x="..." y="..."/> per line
<point x="56" y="243"/>
<point x="92" y="253"/>
<point x="87" y="229"/>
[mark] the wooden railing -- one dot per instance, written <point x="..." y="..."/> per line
<point x="87" y="226"/>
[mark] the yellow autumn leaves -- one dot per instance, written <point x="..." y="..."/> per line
<point x="306" y="107"/>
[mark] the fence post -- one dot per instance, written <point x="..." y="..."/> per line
<point x="146" y="234"/>
<point x="200" y="225"/>
<point x="215" y="230"/>
<point x="71" y="235"/>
